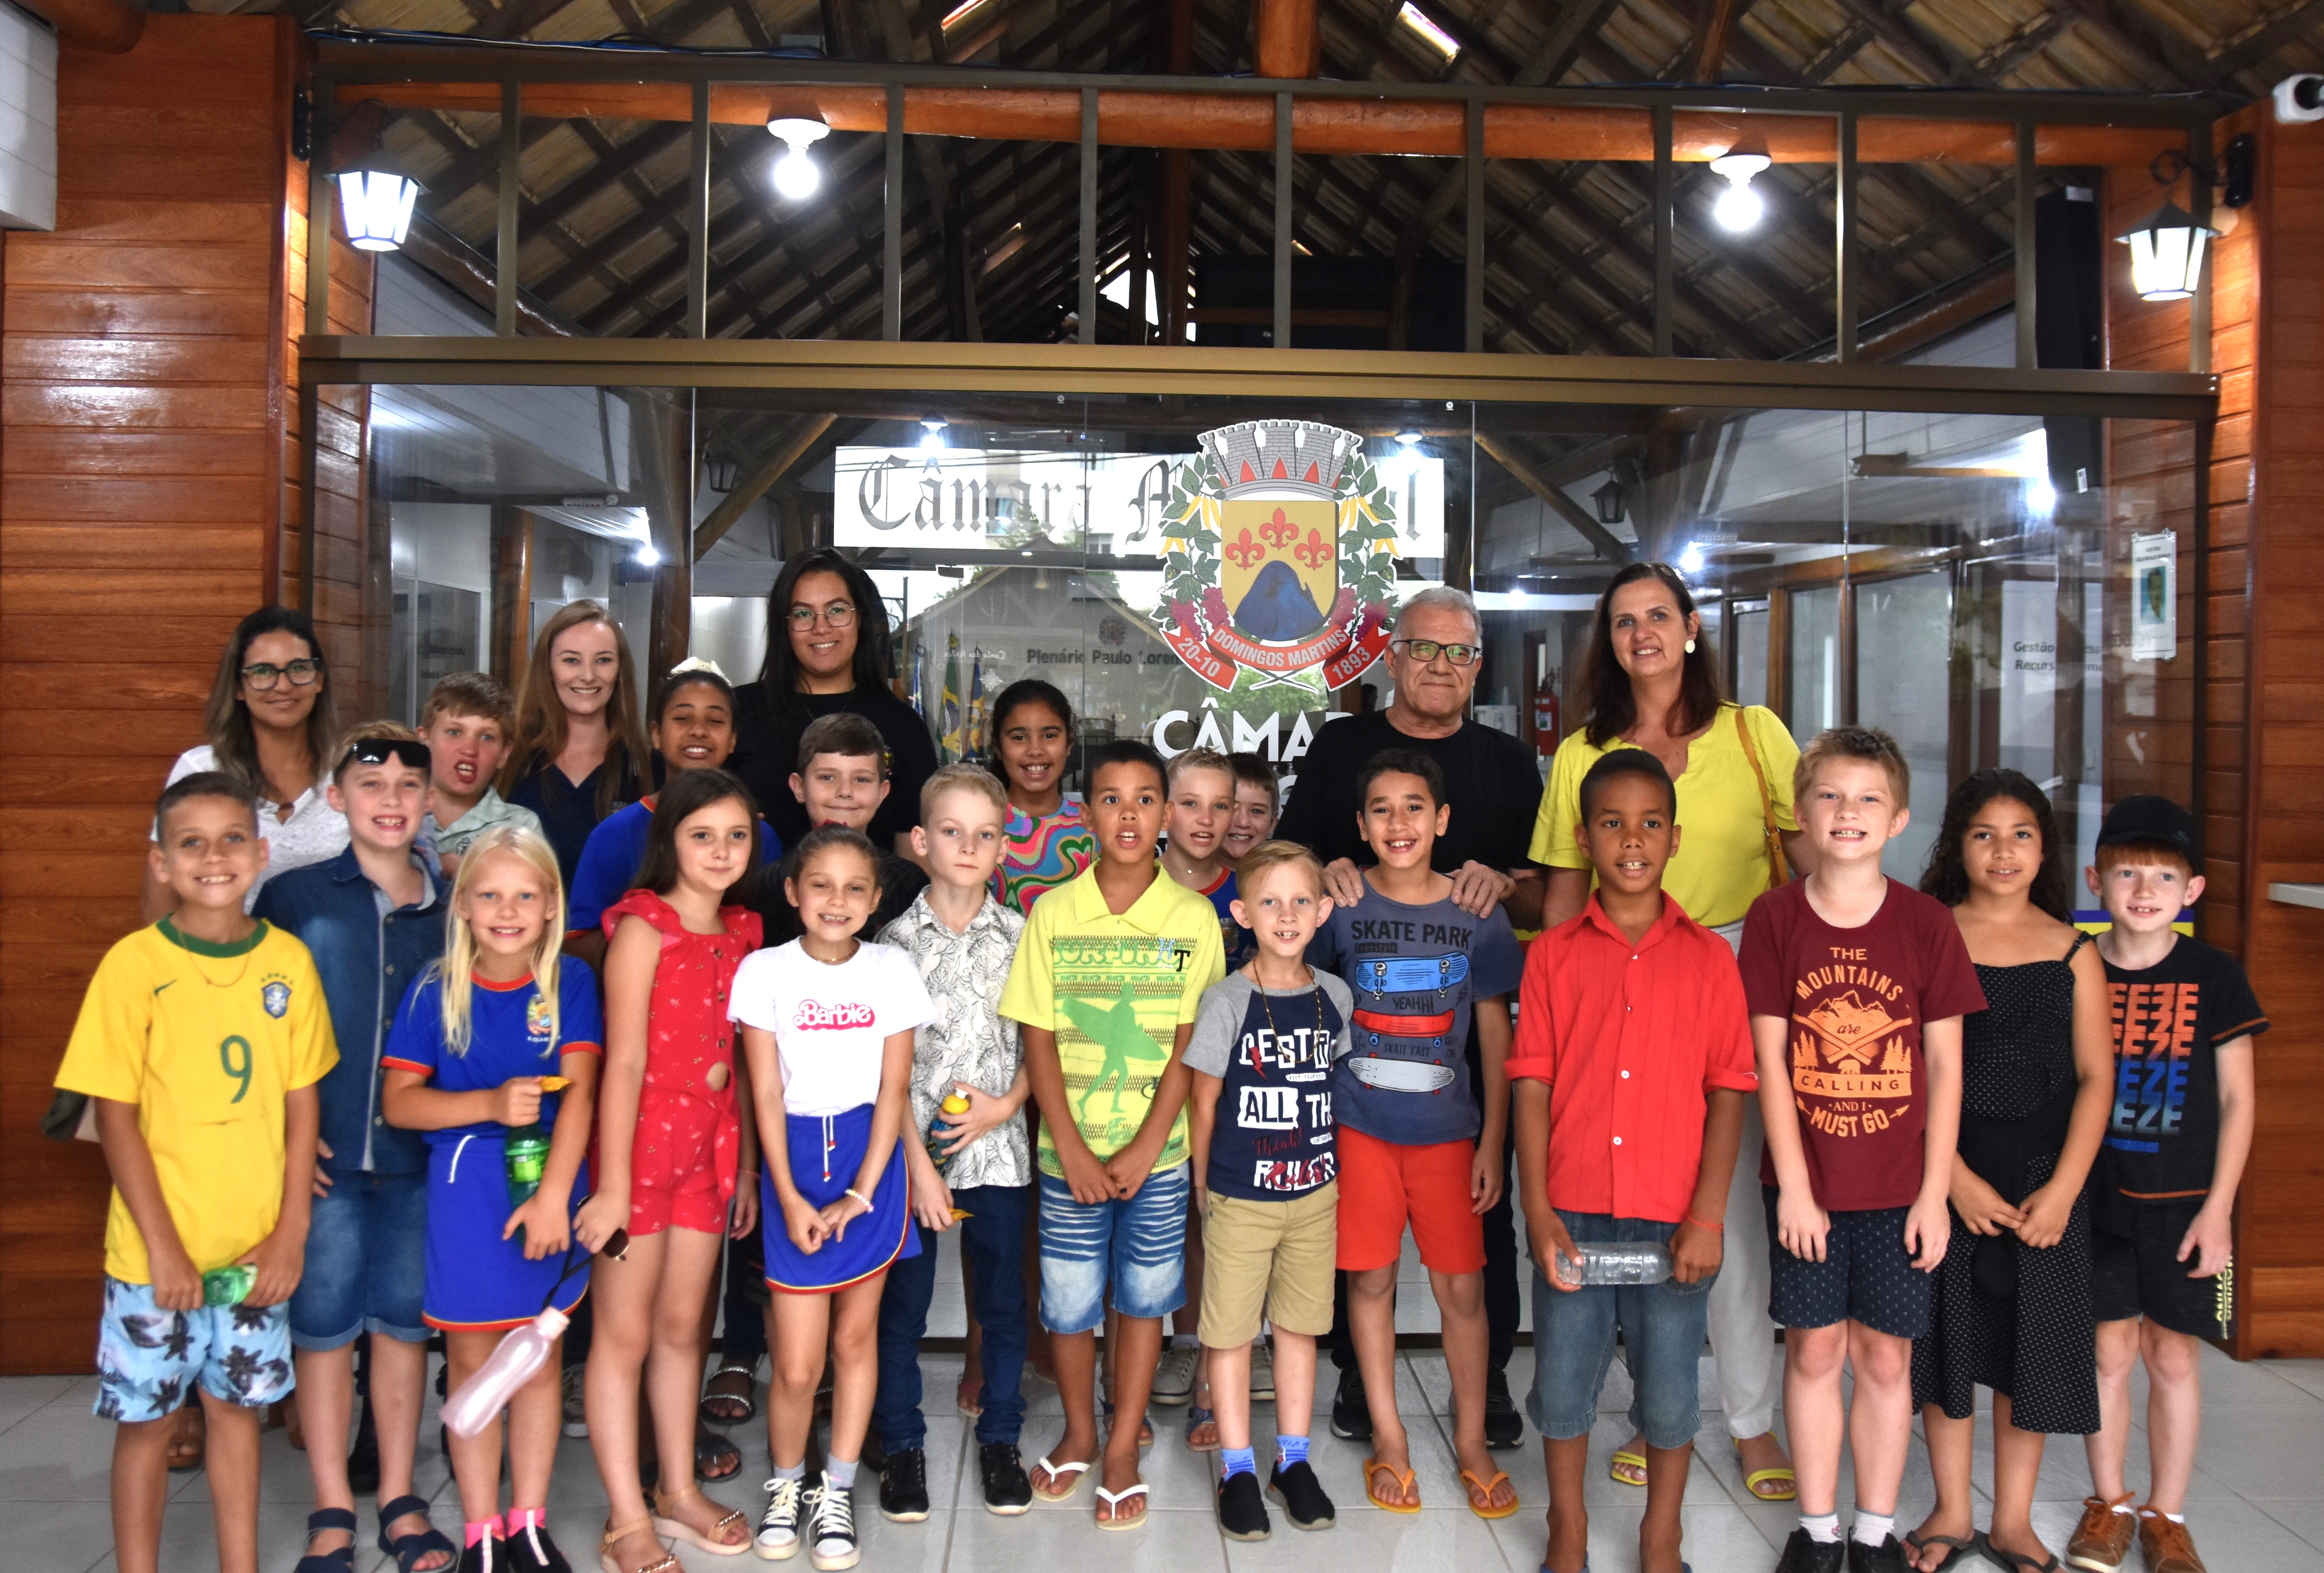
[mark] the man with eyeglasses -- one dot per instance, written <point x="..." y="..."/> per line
<point x="1494" y="789"/>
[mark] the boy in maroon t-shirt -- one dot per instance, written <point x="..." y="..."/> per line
<point x="1856" y="986"/>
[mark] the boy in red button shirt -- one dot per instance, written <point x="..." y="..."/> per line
<point x="1632" y="1060"/>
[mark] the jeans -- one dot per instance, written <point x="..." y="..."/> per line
<point x="742" y="1336"/>
<point x="992" y="1239"/>
<point x="366" y="1261"/>
<point x="1133" y="1253"/>
<point x="1662" y="1326"/>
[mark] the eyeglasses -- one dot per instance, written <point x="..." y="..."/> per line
<point x="838" y="615"/>
<point x="1427" y="650"/>
<point x="265" y="674"/>
<point x="380" y="750"/>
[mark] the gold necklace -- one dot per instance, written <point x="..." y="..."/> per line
<point x="195" y="957"/>
<point x="1268" y="1009"/>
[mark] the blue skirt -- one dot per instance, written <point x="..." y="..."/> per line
<point x="478" y="1282"/>
<point x="825" y="1154"/>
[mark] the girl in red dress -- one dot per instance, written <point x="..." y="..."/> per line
<point x="671" y="1144"/>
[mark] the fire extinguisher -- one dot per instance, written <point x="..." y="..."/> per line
<point x="1545" y="716"/>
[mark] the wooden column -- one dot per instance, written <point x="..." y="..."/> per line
<point x="512" y="637"/>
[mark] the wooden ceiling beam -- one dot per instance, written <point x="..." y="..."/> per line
<point x="1286" y="38"/>
<point x="2231" y="61"/>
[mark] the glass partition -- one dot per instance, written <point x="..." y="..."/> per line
<point x="1225" y="573"/>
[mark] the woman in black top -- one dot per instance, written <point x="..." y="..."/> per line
<point x="827" y="652"/>
<point x="580" y="749"/>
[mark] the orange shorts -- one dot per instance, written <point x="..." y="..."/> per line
<point x="1383" y="1186"/>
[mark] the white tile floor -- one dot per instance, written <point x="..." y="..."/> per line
<point x="2257" y="1505"/>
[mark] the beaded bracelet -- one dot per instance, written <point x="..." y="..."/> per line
<point x="858" y="1195"/>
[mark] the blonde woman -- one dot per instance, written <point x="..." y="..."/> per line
<point x="580" y="750"/>
<point x="467" y="1061"/>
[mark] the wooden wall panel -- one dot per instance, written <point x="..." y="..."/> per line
<point x="2280" y="1236"/>
<point x="142" y="444"/>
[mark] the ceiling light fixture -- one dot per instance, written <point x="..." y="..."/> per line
<point x="648" y="556"/>
<point x="1738" y="208"/>
<point x="1414" y="18"/>
<point x="796" y="176"/>
<point x="932" y="435"/>
<point x="1690" y="560"/>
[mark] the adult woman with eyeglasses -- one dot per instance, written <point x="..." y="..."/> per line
<point x="827" y="652"/>
<point x="271" y="722"/>
<point x="1649" y="680"/>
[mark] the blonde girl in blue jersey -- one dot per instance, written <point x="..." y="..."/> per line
<point x="473" y="1046"/>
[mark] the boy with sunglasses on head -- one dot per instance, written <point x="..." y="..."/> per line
<point x="374" y="918"/>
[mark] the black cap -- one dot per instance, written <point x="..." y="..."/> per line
<point x="2149" y="818"/>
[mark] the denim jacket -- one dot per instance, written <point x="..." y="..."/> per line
<point x="366" y="955"/>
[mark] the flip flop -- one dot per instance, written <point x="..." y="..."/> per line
<point x="1403" y="1477"/>
<point x="1625" y="1459"/>
<point x="2014" y="1560"/>
<point x="1788" y="1483"/>
<point x="1484" y="1488"/>
<point x="1972" y="1546"/>
<point x="1071" y="1472"/>
<point x="1112" y="1500"/>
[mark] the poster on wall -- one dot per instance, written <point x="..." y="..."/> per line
<point x="2154" y="596"/>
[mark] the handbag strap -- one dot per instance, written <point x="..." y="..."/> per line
<point x="1767" y="800"/>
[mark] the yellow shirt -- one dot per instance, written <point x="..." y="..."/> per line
<point x="206" y="1041"/>
<point x="1115" y="990"/>
<point x="1721" y="864"/>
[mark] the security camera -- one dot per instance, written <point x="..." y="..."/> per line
<point x="2299" y="99"/>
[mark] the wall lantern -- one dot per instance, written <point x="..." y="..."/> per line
<point x="2166" y="249"/>
<point x="376" y="205"/>
<point x="1608" y="498"/>
<point x="796" y="176"/>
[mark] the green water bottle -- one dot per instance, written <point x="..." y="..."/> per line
<point x="525" y="1156"/>
<point x="223" y="1286"/>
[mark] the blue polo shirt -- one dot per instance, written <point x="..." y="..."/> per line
<point x="368" y="955"/>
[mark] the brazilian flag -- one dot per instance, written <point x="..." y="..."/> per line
<point x="948" y="707"/>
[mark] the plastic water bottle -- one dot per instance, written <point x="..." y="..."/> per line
<point x="952" y="1109"/>
<point x="228" y="1285"/>
<point x="1630" y="1263"/>
<point x="524" y="1156"/>
<point x="472" y="1405"/>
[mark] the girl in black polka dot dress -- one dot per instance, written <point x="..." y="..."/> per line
<point x="2012" y="1300"/>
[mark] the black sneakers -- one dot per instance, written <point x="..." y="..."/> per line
<point x="1008" y="1490"/>
<point x="1243" y="1511"/>
<point x="1803" y="1553"/>
<point x="1352" y="1415"/>
<point x="1504" y="1426"/>
<point x="531" y="1550"/>
<point x="904" y="1486"/>
<point x="1302" y="1496"/>
<point x="1887" y="1557"/>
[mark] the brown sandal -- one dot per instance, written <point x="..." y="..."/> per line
<point x="677" y="1529"/>
<point x="190" y="1434"/>
<point x="616" y="1532"/>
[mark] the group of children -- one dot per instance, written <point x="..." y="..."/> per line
<point x="1112" y="1061"/>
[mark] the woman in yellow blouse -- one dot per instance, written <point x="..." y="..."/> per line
<point x="1650" y="681"/>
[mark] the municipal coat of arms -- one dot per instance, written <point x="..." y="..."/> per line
<point x="1278" y="555"/>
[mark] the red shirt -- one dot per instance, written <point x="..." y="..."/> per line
<point x="1631" y="1040"/>
<point x="1853" y="1002"/>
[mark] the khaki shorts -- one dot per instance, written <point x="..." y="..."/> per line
<point x="1278" y="1254"/>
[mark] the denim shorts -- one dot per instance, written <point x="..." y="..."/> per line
<point x="147" y="1359"/>
<point x="366" y="1261"/>
<point x="1137" y="1248"/>
<point x="1663" y="1326"/>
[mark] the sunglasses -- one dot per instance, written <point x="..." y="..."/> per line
<point x="380" y="750"/>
